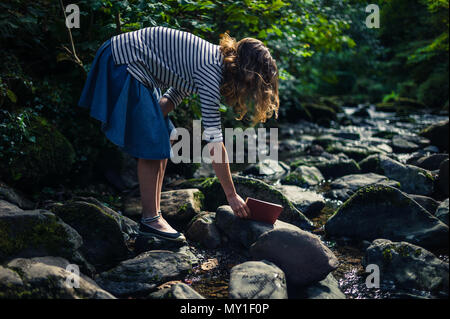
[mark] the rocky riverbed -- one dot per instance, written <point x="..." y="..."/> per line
<point x="364" y="188"/>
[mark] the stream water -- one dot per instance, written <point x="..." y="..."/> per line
<point x="351" y="275"/>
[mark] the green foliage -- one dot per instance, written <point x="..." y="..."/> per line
<point x="321" y="47"/>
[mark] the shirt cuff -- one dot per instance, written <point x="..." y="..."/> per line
<point x="174" y="96"/>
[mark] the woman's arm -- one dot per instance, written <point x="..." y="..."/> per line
<point x="222" y="170"/>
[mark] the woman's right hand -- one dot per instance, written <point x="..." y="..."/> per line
<point x="238" y="206"/>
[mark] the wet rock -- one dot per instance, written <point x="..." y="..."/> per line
<point x="46" y="278"/>
<point x="442" y="180"/>
<point x="268" y="168"/>
<point x="301" y="255"/>
<point x="303" y="176"/>
<point x="103" y="240"/>
<point x="243" y="232"/>
<point x="251" y="187"/>
<point x="144" y="273"/>
<point x="437" y="134"/>
<point x="148" y="242"/>
<point x="203" y="229"/>
<point x="426" y="202"/>
<point x="344" y="187"/>
<point x="14" y="196"/>
<point x="36" y="233"/>
<point x="401" y="145"/>
<point x="309" y="202"/>
<point x="413" y="179"/>
<point x="176" y="291"/>
<point x="327" y="288"/>
<point x="442" y="212"/>
<point x="380" y="211"/>
<point x="408" y="266"/>
<point x="128" y="226"/>
<point x="432" y="162"/>
<point x="257" y="280"/>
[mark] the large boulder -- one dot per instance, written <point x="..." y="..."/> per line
<point x="380" y="211"/>
<point x="103" y="240"/>
<point x="243" y="232"/>
<point x="408" y="266"/>
<point x="344" y="187"/>
<point x="437" y="134"/>
<point x="37" y="233"/>
<point x="251" y="187"/>
<point x="142" y="274"/>
<point x="309" y="202"/>
<point x="413" y="179"/>
<point x="46" y="278"/>
<point x="257" y="280"/>
<point x="177" y="291"/>
<point x="203" y="229"/>
<point x="301" y="255"/>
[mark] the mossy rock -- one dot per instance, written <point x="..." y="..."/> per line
<point x="34" y="233"/>
<point x="45" y="161"/>
<point x="413" y="179"/>
<point x="251" y="187"/>
<point x="380" y="211"/>
<point x="103" y="240"/>
<point x="408" y="266"/>
<point x="303" y="176"/>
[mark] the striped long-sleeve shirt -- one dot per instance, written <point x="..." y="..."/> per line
<point x="177" y="61"/>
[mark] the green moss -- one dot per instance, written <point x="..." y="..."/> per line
<point x="294" y="179"/>
<point x="387" y="255"/>
<point x="46" y="233"/>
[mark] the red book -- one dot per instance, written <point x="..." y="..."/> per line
<point x="263" y="211"/>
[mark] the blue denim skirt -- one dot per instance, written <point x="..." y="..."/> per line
<point x="129" y="111"/>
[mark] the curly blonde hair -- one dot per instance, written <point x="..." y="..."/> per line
<point x="250" y="74"/>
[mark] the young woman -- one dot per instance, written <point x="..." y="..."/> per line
<point x="123" y="91"/>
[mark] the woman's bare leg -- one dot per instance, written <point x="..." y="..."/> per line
<point x="150" y="175"/>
